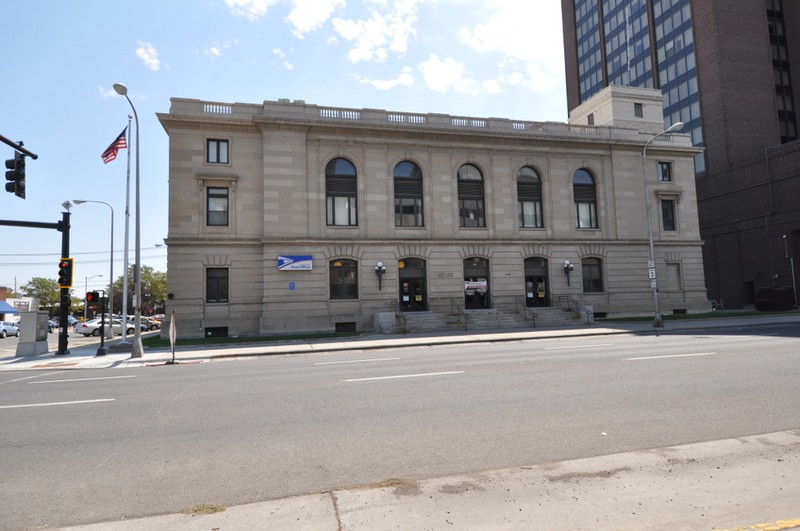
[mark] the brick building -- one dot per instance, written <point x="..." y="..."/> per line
<point x="730" y="70"/>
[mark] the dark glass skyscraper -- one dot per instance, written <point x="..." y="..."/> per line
<point x="730" y="70"/>
<point x="636" y="43"/>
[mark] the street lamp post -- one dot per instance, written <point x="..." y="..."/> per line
<point x="109" y="331"/>
<point x="86" y="290"/>
<point x="658" y="321"/>
<point x="791" y="265"/>
<point x="122" y="90"/>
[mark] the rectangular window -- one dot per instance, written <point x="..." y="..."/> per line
<point x="408" y="212"/>
<point x="344" y="279"/>
<point x="342" y="211"/>
<point x="530" y="214"/>
<point x="587" y="215"/>
<point x="665" y="172"/>
<point x="217" y="151"/>
<point x="674" y="282"/>
<point x="591" y="270"/>
<point x="638" y="111"/>
<point x="668" y="214"/>
<point x="217" y="206"/>
<point x="471" y="212"/>
<point x="217" y="284"/>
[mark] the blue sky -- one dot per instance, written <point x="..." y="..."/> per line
<point x="478" y="58"/>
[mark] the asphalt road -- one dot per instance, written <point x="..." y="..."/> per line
<point x="87" y="446"/>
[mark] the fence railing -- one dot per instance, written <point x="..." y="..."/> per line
<point x="519" y="302"/>
<point x="579" y="308"/>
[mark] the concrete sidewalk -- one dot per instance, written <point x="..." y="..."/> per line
<point x="749" y="483"/>
<point x="84" y="357"/>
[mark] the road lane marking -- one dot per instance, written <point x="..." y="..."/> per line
<point x="83" y="379"/>
<point x="404" y="376"/>
<point x="581" y="346"/>
<point x="59" y="403"/>
<point x="669" y="356"/>
<point x="29" y="377"/>
<point x="354" y="361"/>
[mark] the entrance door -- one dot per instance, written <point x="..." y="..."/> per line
<point x="476" y="283"/>
<point x="413" y="288"/>
<point x="536" y="289"/>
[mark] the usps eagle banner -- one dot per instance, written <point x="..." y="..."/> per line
<point x="295" y="263"/>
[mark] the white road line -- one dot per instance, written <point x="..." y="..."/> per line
<point x="582" y="346"/>
<point x="404" y="376"/>
<point x="60" y="403"/>
<point x="670" y="356"/>
<point x="355" y="361"/>
<point x="29" y="378"/>
<point x="83" y="379"/>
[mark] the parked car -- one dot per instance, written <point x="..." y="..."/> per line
<point x="151" y="323"/>
<point x="92" y="327"/>
<point x="7" y="328"/>
<point x="143" y="327"/>
<point x="51" y="325"/>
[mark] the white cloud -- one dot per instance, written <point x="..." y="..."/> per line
<point x="277" y="52"/>
<point x="252" y="9"/>
<point x="388" y="29"/>
<point x="306" y="16"/>
<point x="215" y="50"/>
<point x="525" y="33"/>
<point x="148" y="55"/>
<point x="106" y="92"/>
<point x="443" y="75"/>
<point x="405" y="79"/>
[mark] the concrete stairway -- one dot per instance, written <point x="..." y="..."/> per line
<point x="421" y="322"/>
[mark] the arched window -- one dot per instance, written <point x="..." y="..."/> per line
<point x="592" y="271"/>
<point x="529" y="196"/>
<point x="585" y="193"/>
<point x="344" y="279"/>
<point x="408" y="210"/>
<point x="470" y="197"/>
<point x="340" y="192"/>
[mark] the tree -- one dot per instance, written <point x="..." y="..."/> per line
<point x="46" y="290"/>
<point x="154" y="291"/>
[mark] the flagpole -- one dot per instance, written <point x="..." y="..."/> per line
<point x="127" y="224"/>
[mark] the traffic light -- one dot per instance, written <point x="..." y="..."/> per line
<point x="92" y="298"/>
<point x="65" y="273"/>
<point x="16" y="175"/>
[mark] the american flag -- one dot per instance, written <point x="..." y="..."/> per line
<point x="111" y="151"/>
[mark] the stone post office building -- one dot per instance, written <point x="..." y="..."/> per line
<point x="287" y="217"/>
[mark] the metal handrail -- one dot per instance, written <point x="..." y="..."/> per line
<point x="578" y="307"/>
<point x="399" y="316"/>
<point x="519" y="301"/>
<point x="458" y="310"/>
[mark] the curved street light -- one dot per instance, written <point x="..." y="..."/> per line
<point x="658" y="321"/>
<point x="122" y="90"/>
<point x="109" y="332"/>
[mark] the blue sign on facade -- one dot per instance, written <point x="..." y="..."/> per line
<point x="294" y="263"/>
<point x="292" y="286"/>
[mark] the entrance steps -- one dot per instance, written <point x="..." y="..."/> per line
<point x="490" y="319"/>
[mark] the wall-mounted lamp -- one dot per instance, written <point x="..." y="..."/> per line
<point x="568" y="267"/>
<point x="380" y="269"/>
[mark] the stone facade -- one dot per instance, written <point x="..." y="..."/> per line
<point x="274" y="176"/>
